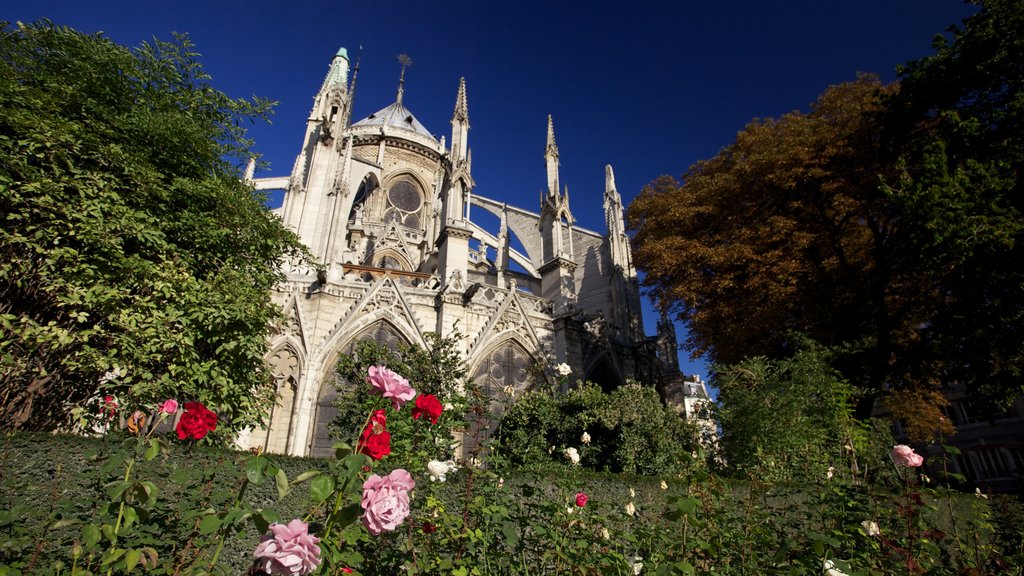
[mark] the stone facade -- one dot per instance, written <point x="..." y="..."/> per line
<point x="386" y="208"/>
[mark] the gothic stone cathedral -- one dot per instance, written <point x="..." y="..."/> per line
<point x="385" y="206"/>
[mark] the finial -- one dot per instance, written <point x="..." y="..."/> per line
<point x="552" y="148"/>
<point x="461" y="108"/>
<point x="609" y="179"/>
<point x="405" y="61"/>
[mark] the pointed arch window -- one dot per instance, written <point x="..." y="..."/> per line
<point x="381" y="332"/>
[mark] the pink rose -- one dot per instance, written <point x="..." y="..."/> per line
<point x="169" y="407"/>
<point x="386" y="500"/>
<point x="289" y="549"/>
<point x="388" y="384"/>
<point x="581" y="499"/>
<point x="905" y="456"/>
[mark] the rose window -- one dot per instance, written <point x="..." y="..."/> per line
<point x="404" y="201"/>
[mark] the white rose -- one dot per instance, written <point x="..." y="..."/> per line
<point x="636" y="563"/>
<point x="871" y="528"/>
<point x="585" y="438"/>
<point x="563" y="369"/>
<point x="831" y="570"/>
<point x="573" y="455"/>
<point x="630" y="508"/>
<point x="605" y="534"/>
<point x="437" y="470"/>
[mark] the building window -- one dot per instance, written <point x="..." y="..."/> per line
<point x="404" y="203"/>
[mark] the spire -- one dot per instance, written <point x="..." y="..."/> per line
<point x="338" y="72"/>
<point x="609" y="183"/>
<point x="460" y="125"/>
<point x="552" y="148"/>
<point x="405" y="61"/>
<point x="551" y="159"/>
<point x="347" y="121"/>
<point x="461" y="113"/>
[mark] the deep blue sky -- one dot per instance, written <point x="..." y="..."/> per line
<point x="648" y="87"/>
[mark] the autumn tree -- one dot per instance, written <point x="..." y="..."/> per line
<point x="887" y="219"/>
<point x="785" y="230"/>
<point x="130" y="244"/>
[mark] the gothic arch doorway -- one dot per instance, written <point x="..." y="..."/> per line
<point x="604" y="375"/>
<point x="381" y="332"/>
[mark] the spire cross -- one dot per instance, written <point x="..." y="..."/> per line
<point x="405" y="61"/>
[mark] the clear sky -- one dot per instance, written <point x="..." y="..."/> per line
<point x="648" y="87"/>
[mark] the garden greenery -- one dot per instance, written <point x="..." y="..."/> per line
<point x="135" y="262"/>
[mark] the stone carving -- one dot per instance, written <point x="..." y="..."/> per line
<point x="284" y="367"/>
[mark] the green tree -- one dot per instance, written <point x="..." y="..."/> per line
<point x="958" y="125"/>
<point x="129" y="240"/>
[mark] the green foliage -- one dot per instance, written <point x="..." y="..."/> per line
<point x="630" y="430"/>
<point x="793" y="417"/>
<point x="438" y="370"/>
<point x="129" y="239"/>
<point x="957" y="123"/>
<point x="210" y="506"/>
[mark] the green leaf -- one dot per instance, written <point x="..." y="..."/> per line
<point x="112" y="555"/>
<point x="209" y="524"/>
<point x="63" y="523"/>
<point x="131" y="559"/>
<point x="321" y="488"/>
<point x="90" y="535"/>
<point x="254" y="467"/>
<point x="341" y="449"/>
<point x="108" y="532"/>
<point x="305" y="476"/>
<point x="281" y="479"/>
<point x="130" y="516"/>
<point x="153" y="449"/>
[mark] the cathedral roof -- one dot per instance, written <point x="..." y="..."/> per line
<point x="397" y="116"/>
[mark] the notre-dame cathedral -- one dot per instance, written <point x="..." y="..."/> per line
<point x="386" y="207"/>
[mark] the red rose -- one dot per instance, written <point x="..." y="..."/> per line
<point x="196" y="422"/>
<point x="429" y="405"/>
<point x="376" y="446"/>
<point x="375" y="441"/>
<point x="428" y="528"/>
<point x="581" y="499"/>
<point x="347" y="570"/>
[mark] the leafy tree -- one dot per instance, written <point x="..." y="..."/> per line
<point x="130" y="243"/>
<point x="886" y="218"/>
<point x="958" y="124"/>
<point x="786" y="229"/>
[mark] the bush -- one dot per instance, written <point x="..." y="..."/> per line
<point x="627" y="430"/>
